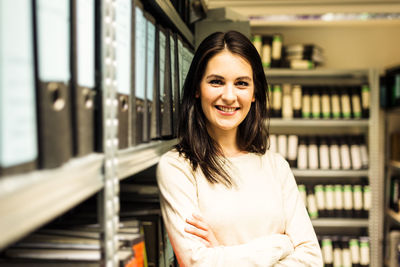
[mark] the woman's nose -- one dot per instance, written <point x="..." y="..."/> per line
<point x="228" y="94"/>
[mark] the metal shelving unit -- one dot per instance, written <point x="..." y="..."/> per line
<point x="372" y="128"/>
<point x="28" y="201"/>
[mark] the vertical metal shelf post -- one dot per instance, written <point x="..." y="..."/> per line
<point x="376" y="172"/>
<point x="108" y="204"/>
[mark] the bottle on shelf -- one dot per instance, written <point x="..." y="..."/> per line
<point x="344" y="153"/>
<point x="312" y="153"/>
<point x="276" y="55"/>
<point x="348" y="200"/>
<point x="335" y="103"/>
<point x="358" y="200"/>
<point x="296" y="100"/>
<point x="363" y="152"/>
<point x="266" y="51"/>
<point x="355" y="153"/>
<point x="257" y="42"/>
<point x="282" y="145"/>
<point x="277" y="101"/>
<point x="329" y="200"/>
<point x="311" y="203"/>
<point x="364" y="251"/>
<point x="346" y="253"/>
<point x="339" y="207"/>
<point x="356" y="102"/>
<point x="345" y="103"/>
<point x="287" y="107"/>
<point x="334" y="153"/>
<point x="327" y="251"/>
<point x="315" y="103"/>
<point x="306" y="103"/>
<point x="326" y="104"/>
<point x="302" y="155"/>
<point x="365" y="100"/>
<point x="324" y="153"/>
<point x="293" y="141"/>
<point x="320" y="198"/>
<point x="354" y="245"/>
<point x="366" y="200"/>
<point x="337" y="251"/>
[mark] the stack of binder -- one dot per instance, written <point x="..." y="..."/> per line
<point x="54" y="95"/>
<point x="303" y="56"/>
<point x="76" y="246"/>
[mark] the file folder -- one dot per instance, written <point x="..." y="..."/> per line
<point x="151" y="112"/>
<point x="174" y="82"/>
<point x="164" y="83"/>
<point x="138" y="91"/>
<point x="181" y="66"/>
<point x="83" y="75"/>
<point x="18" y="125"/>
<point x="123" y="33"/>
<point x="52" y="59"/>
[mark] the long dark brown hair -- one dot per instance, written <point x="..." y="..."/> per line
<point x="195" y="144"/>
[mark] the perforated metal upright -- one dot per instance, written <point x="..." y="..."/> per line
<point x="376" y="172"/>
<point x="109" y="196"/>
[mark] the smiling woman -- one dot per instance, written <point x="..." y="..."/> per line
<point x="225" y="199"/>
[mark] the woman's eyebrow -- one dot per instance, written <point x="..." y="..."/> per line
<point x="215" y="76"/>
<point x="243" y="78"/>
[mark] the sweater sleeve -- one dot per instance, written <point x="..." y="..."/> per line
<point x="298" y="225"/>
<point x="178" y="196"/>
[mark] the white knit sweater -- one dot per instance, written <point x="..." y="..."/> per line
<point x="261" y="221"/>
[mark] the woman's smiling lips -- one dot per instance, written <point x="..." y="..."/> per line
<point x="224" y="110"/>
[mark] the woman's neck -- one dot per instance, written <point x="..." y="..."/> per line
<point x="227" y="140"/>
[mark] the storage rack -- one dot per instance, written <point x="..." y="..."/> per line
<point x="372" y="127"/>
<point x="28" y="201"/>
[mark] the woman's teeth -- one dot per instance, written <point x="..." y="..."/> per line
<point x="226" y="109"/>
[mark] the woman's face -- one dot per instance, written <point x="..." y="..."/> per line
<point x="226" y="92"/>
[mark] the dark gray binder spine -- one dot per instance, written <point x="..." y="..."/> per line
<point x="134" y="106"/>
<point x="124" y="41"/>
<point x="166" y="97"/>
<point x="150" y="82"/>
<point x="54" y="117"/>
<point x="174" y="82"/>
<point x="82" y="97"/>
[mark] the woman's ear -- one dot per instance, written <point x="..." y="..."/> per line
<point x="197" y="95"/>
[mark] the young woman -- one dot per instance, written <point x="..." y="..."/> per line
<point x="226" y="200"/>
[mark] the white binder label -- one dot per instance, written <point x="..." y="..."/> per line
<point x="140" y="53"/>
<point x="123" y="53"/>
<point x="85" y="43"/>
<point x="53" y="40"/>
<point x="18" y="137"/>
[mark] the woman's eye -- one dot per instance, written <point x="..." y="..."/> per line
<point x="216" y="82"/>
<point x="242" y="83"/>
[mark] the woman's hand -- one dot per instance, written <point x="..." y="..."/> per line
<point x="198" y="227"/>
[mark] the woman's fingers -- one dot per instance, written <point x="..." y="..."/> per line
<point x="197" y="223"/>
<point x="196" y="231"/>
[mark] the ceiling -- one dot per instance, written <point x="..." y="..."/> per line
<point x="265" y="7"/>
